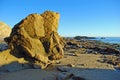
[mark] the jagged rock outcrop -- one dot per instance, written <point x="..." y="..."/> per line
<point x="5" y="30"/>
<point x="36" y="38"/>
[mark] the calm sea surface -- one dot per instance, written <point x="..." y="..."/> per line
<point x="109" y="39"/>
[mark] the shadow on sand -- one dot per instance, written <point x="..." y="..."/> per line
<point x="3" y="46"/>
<point x="26" y="72"/>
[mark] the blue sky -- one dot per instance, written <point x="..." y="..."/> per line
<point x="78" y="17"/>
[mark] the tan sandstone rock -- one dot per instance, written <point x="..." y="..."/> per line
<point x="36" y="39"/>
<point x="5" y="30"/>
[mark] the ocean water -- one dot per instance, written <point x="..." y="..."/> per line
<point x="115" y="40"/>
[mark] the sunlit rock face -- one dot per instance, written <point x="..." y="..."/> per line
<point x="36" y="39"/>
<point x="5" y="30"/>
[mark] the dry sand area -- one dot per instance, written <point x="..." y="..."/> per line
<point x="82" y="65"/>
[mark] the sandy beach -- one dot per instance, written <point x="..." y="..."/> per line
<point x="82" y="65"/>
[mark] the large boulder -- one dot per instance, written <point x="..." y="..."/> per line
<point x="36" y="39"/>
<point x="5" y="30"/>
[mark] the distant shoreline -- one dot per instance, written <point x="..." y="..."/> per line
<point x="110" y="40"/>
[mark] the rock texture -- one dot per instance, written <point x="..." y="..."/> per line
<point x="5" y="30"/>
<point x="36" y="39"/>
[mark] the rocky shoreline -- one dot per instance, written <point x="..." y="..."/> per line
<point x="81" y="62"/>
<point x="110" y="52"/>
<point x="81" y="57"/>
